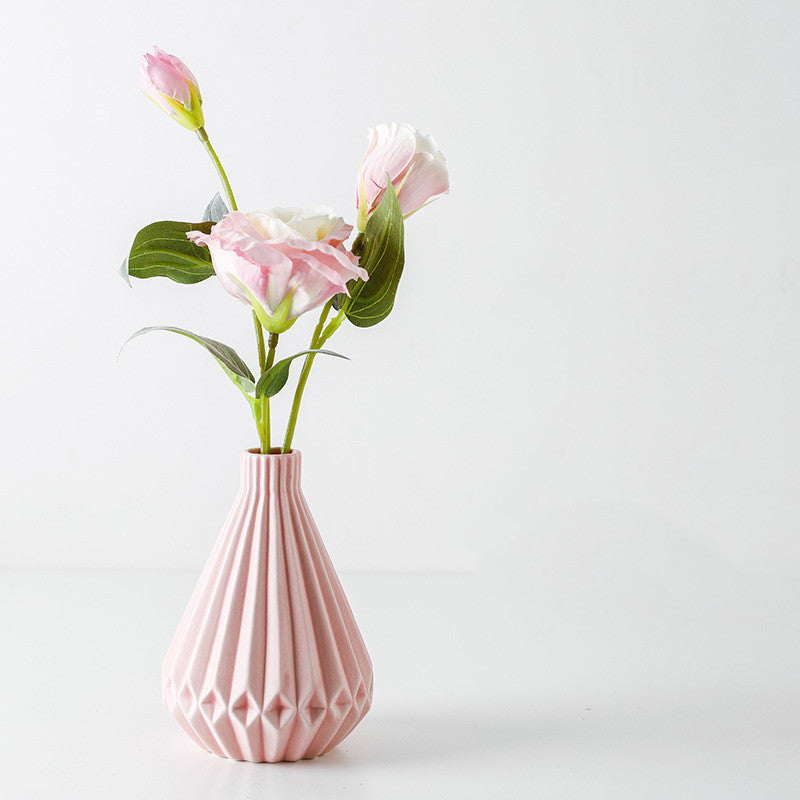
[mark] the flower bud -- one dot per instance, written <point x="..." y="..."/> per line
<point x="410" y="160"/>
<point x="169" y="83"/>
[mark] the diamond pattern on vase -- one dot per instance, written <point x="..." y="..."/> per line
<point x="212" y="706"/>
<point x="246" y="709"/>
<point x="343" y="703"/>
<point x="268" y="663"/>
<point x="313" y="709"/>
<point x="279" y="712"/>
<point x="185" y="699"/>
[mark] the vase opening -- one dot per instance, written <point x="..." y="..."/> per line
<point x="274" y="451"/>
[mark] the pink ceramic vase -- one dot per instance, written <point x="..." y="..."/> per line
<point x="268" y="663"/>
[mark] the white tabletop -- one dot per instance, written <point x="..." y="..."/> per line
<point x="485" y="688"/>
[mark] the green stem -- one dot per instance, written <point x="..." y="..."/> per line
<point x="317" y="340"/>
<point x="322" y="317"/>
<point x="262" y="354"/>
<point x="261" y="407"/>
<point x="258" y="409"/>
<point x="333" y="326"/>
<point x="257" y="414"/>
<point x="203" y="137"/>
<point x="265" y="422"/>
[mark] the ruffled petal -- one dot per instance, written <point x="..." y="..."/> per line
<point x="256" y="267"/>
<point x="312" y="284"/>
<point x="335" y="257"/>
<point x="315" y="224"/>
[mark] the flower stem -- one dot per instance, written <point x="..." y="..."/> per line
<point x="261" y="407"/>
<point x="333" y="326"/>
<point x="258" y="409"/>
<point x="257" y="415"/>
<point x="262" y="354"/>
<point x="317" y="340"/>
<point x="265" y="423"/>
<point x="203" y="137"/>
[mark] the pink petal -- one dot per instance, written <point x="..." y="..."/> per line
<point x="389" y="155"/>
<point x="238" y="251"/>
<point x="336" y="257"/>
<point x="312" y="284"/>
<point x="167" y="80"/>
<point x="427" y="178"/>
<point x="177" y="63"/>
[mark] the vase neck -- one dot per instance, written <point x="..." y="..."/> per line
<point x="275" y="472"/>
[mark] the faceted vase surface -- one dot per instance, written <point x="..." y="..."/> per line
<point x="268" y="663"/>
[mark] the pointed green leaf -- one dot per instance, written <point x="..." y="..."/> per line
<point x="382" y="256"/>
<point x="162" y="249"/>
<point x="225" y="356"/>
<point x="123" y="271"/>
<point x="216" y="209"/>
<point x="274" y="379"/>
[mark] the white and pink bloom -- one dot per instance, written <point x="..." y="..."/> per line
<point x="410" y="160"/>
<point x="282" y="262"/>
<point x="169" y="83"/>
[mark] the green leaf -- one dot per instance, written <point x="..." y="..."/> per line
<point x="225" y="356"/>
<point x="216" y="209"/>
<point x="274" y="379"/>
<point x="382" y="257"/>
<point x="162" y="249"/>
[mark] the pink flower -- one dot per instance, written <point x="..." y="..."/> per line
<point x="168" y="82"/>
<point x="282" y="262"/>
<point x="410" y="160"/>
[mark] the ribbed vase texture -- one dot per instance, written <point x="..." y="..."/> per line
<point x="268" y="663"/>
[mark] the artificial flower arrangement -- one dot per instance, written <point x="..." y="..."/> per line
<point x="284" y="262"/>
<point x="268" y="663"/>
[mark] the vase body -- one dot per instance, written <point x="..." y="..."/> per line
<point x="268" y="663"/>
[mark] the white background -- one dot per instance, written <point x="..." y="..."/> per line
<point x="585" y="401"/>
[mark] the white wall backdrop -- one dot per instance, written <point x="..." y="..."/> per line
<point x="596" y="342"/>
